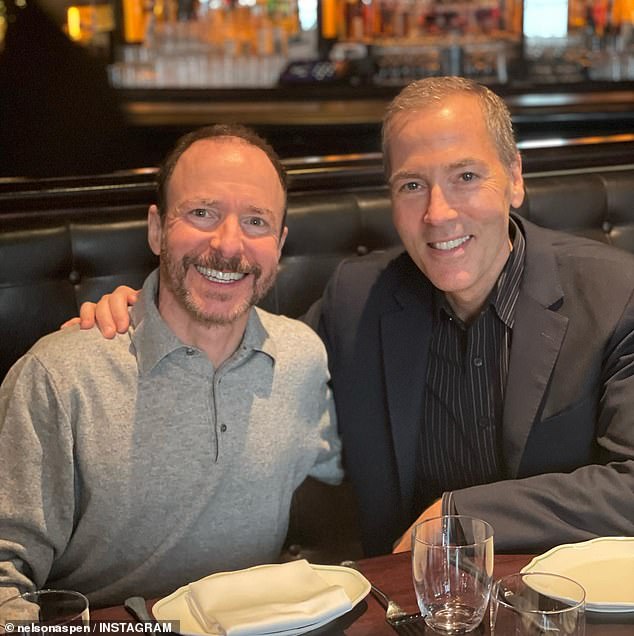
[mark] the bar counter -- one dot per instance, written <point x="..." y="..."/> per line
<point x="321" y="105"/>
<point x="341" y="119"/>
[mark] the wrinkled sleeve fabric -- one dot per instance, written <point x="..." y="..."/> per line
<point x="37" y="476"/>
<point x="328" y="464"/>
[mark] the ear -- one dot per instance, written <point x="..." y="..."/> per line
<point x="517" y="183"/>
<point x="282" y="241"/>
<point x="154" y="230"/>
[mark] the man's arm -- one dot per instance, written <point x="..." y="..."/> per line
<point x="109" y="313"/>
<point x="546" y="510"/>
<point x="37" y="476"/>
<point x="540" y="512"/>
<point x="597" y="499"/>
<point x="593" y="500"/>
<point x="323" y="522"/>
<point x="328" y="465"/>
<point x="405" y="542"/>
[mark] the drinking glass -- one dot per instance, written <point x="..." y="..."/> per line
<point x="50" y="607"/>
<point x="536" y="604"/>
<point x="452" y="568"/>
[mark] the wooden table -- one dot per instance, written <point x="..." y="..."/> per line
<point x="392" y="573"/>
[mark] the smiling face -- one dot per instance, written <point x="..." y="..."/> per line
<point x="221" y="237"/>
<point x="451" y="196"/>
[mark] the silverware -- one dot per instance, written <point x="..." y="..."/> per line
<point x="137" y="607"/>
<point x="402" y="621"/>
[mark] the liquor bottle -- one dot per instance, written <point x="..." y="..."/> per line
<point x="134" y="15"/>
<point x="91" y="23"/>
<point x="353" y="17"/>
<point x="329" y="21"/>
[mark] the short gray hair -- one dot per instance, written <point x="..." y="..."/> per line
<point x="432" y="90"/>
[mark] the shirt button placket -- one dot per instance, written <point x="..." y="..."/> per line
<point x="221" y="427"/>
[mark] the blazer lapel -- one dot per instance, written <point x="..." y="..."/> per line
<point x="538" y="334"/>
<point x="405" y="336"/>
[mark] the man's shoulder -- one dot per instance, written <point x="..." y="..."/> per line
<point x="73" y="340"/>
<point x="582" y="251"/>
<point x="376" y="262"/>
<point x="298" y="350"/>
<point x="288" y="331"/>
<point x="356" y="276"/>
<point x="73" y="348"/>
<point x="586" y="248"/>
<point x="376" y="278"/>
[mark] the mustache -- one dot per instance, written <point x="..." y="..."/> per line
<point x="235" y="264"/>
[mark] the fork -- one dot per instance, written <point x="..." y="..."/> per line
<point x="401" y="621"/>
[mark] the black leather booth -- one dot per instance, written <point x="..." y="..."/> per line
<point x="51" y="260"/>
<point x="65" y="242"/>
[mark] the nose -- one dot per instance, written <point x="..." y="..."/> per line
<point x="227" y="237"/>
<point x="439" y="210"/>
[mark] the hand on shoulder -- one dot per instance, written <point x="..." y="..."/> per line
<point x="109" y="313"/>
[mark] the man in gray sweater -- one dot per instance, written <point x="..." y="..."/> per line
<point x="138" y="464"/>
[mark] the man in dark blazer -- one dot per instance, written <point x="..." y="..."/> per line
<point x="487" y="369"/>
<point x="559" y="433"/>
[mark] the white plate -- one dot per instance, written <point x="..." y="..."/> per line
<point x="175" y="608"/>
<point x="603" y="566"/>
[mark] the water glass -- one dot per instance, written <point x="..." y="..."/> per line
<point x="537" y="604"/>
<point x="48" y="607"/>
<point x="452" y="568"/>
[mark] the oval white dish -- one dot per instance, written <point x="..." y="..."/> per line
<point x="603" y="566"/>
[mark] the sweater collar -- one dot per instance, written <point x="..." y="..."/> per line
<point x="153" y="340"/>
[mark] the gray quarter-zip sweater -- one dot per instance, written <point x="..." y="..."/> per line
<point x="133" y="466"/>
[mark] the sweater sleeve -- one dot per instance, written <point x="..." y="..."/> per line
<point x="37" y="498"/>
<point x="328" y="464"/>
<point x="328" y="467"/>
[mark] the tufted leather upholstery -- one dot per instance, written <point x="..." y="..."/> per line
<point x="599" y="205"/>
<point x="55" y="255"/>
<point x="50" y="262"/>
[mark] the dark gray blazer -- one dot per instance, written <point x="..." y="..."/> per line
<point x="568" y="424"/>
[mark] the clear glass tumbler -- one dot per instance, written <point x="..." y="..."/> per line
<point x="44" y="607"/>
<point x="452" y="568"/>
<point x="537" y="604"/>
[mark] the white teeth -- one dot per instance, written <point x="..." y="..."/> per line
<point x="219" y="277"/>
<point x="450" y="245"/>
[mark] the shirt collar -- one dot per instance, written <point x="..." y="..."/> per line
<point x="504" y="295"/>
<point x="153" y="340"/>
<point x="507" y="290"/>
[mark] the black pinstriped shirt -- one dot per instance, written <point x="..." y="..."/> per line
<point x="466" y="378"/>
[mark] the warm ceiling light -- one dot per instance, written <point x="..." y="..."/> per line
<point x="73" y="21"/>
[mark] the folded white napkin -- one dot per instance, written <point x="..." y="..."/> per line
<point x="266" y="599"/>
